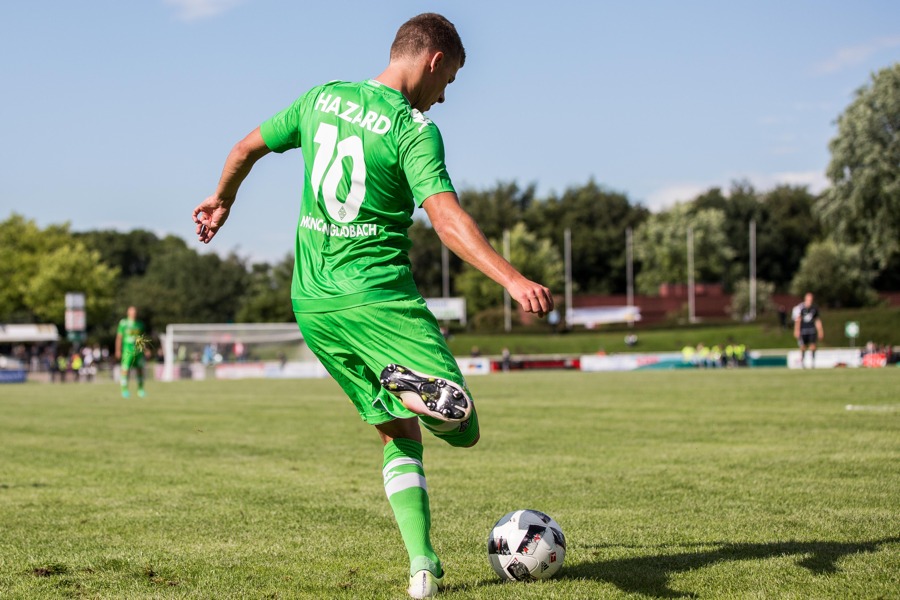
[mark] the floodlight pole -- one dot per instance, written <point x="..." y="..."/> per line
<point x="169" y="354"/>
<point x="629" y="265"/>
<point x="692" y="318"/>
<point x="752" y="270"/>
<point x="567" y="257"/>
<point x="507" y="308"/>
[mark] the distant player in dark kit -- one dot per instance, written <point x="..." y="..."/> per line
<point x="370" y="157"/>
<point x="808" y="330"/>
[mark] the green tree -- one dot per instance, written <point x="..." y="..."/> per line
<point x="536" y="258"/>
<point x="598" y="219"/>
<point x="71" y="268"/>
<point x="40" y="266"/>
<point x="497" y="209"/>
<point x="836" y="273"/>
<point x="267" y="298"/>
<point x="740" y="300"/>
<point x="425" y="258"/>
<point x="863" y="204"/>
<point x="741" y="206"/>
<point x="661" y="247"/>
<point x="184" y="286"/>
<point x="786" y="227"/>
<point x="130" y="252"/>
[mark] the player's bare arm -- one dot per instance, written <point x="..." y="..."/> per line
<point x="119" y="346"/>
<point x="211" y="214"/>
<point x="459" y="232"/>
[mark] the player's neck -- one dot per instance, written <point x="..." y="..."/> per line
<point x="400" y="77"/>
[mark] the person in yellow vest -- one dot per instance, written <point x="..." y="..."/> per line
<point x="715" y="356"/>
<point x="740" y="355"/>
<point x="702" y="355"/>
<point x="687" y="354"/>
<point x="729" y="355"/>
<point x="77" y="363"/>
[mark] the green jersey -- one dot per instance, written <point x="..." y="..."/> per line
<point x="130" y="332"/>
<point x="369" y="159"/>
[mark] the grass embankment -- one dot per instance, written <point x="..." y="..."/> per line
<point x="881" y="325"/>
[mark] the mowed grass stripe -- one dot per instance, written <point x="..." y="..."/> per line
<point x="716" y="484"/>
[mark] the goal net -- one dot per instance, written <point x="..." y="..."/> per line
<point x="236" y="351"/>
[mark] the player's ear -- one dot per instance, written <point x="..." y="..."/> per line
<point x="436" y="59"/>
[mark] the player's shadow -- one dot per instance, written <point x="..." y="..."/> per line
<point x="650" y="575"/>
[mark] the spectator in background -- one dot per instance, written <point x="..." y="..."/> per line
<point x="687" y="354"/>
<point x="701" y="356"/>
<point x="49" y="360"/>
<point x="62" y="366"/>
<point x="740" y="354"/>
<point x="795" y="314"/>
<point x="553" y="319"/>
<point x="90" y="366"/>
<point x="77" y="363"/>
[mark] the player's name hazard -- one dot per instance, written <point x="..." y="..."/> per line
<point x="353" y="113"/>
<point x="351" y="231"/>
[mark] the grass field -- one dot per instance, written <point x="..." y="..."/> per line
<point x="694" y="484"/>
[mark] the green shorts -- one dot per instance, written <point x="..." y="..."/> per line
<point x="132" y="360"/>
<point x="356" y="344"/>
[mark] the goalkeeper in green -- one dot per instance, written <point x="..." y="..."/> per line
<point x="130" y="351"/>
<point x="370" y="157"/>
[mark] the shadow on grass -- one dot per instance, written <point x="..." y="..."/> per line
<point x="650" y="575"/>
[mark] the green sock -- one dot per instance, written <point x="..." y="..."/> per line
<point x="455" y="434"/>
<point x="404" y="484"/>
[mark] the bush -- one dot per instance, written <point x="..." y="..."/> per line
<point x="740" y="301"/>
<point x="492" y="319"/>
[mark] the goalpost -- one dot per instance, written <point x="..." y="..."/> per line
<point x="236" y="351"/>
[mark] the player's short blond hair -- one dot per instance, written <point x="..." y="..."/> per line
<point x="428" y="31"/>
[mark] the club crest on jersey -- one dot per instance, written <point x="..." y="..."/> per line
<point x="353" y="113"/>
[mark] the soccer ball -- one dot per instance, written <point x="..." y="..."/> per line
<point x="526" y="544"/>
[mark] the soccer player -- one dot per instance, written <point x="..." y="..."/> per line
<point x="808" y="330"/>
<point x="129" y="351"/>
<point x="370" y="157"/>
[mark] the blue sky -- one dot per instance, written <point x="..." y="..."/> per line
<point x="120" y="114"/>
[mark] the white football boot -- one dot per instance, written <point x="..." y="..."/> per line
<point x="424" y="584"/>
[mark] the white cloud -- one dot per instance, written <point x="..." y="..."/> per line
<point x="816" y="181"/>
<point x="668" y="195"/>
<point x="850" y="56"/>
<point x="193" y="10"/>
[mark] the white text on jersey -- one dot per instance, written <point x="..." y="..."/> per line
<point x="352" y="231"/>
<point x="353" y="113"/>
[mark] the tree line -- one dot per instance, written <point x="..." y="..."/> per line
<point x="843" y="244"/>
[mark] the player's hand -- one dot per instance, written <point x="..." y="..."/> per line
<point x="210" y="215"/>
<point x="533" y="297"/>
